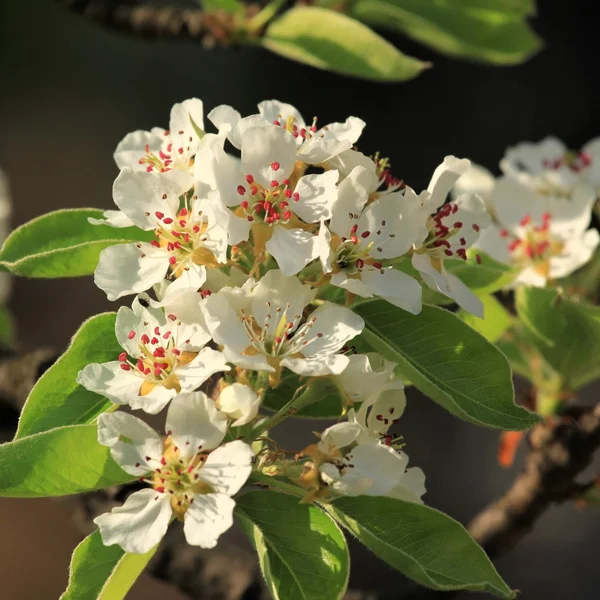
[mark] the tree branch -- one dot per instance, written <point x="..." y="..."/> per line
<point x="559" y="451"/>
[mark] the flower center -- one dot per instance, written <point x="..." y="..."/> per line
<point x="159" y="358"/>
<point x="168" y="157"/>
<point x="534" y="245"/>
<point x="184" y="240"/>
<point x="384" y="174"/>
<point x="289" y="124"/>
<point x="350" y="256"/>
<point x="576" y="161"/>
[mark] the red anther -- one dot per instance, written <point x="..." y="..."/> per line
<point x="159" y="353"/>
<point x="123" y="356"/>
<point x="278" y="340"/>
<point x="148" y="169"/>
<point x="155" y="243"/>
<point x="267" y="206"/>
<point x="244" y="204"/>
<point x="182" y="223"/>
<point x="365" y="234"/>
<point x="525" y="220"/>
<point x="186" y="238"/>
<point x="546" y="217"/>
<point x="542" y="247"/>
<point x="354" y="228"/>
<point x="378" y="265"/>
<point x="175" y="351"/>
<point x="162" y="155"/>
<point x="462" y="253"/>
<point x="454" y="209"/>
<point x="157" y="372"/>
<point x="514" y="245"/>
<point x="163" y="461"/>
<point x="585" y="158"/>
<point x="504" y="233"/>
<point x="159" y="215"/>
<point x="458" y="224"/>
<point x="140" y="365"/>
<point x="176" y="233"/>
<point x="254" y="190"/>
<point x="249" y="178"/>
<point x="154" y="341"/>
<point x="147" y="371"/>
<point x="157" y="330"/>
<point x="183" y="212"/>
<point x="313" y="128"/>
<point x="283" y="204"/>
<point x="275" y="166"/>
<point x="250" y="218"/>
<point x="360" y="263"/>
<point x="145" y="339"/>
<point x="164" y="365"/>
<point x="295" y="134"/>
<point x="448" y="252"/>
<point x="160" y="489"/>
<point x="196" y="228"/>
<point x="167" y="221"/>
<point x="296" y="196"/>
<point x="290" y="325"/>
<point x="177" y="245"/>
<point x="478" y="259"/>
<point x="172" y="260"/>
<point x="180" y="150"/>
<point x="170" y="146"/>
<point x="131" y="334"/>
<point x="463" y="242"/>
<point x="141" y="161"/>
<point x="274" y="183"/>
<point x="476" y="227"/>
<point x="287" y="215"/>
<point x="379" y="417"/>
<point x="276" y="122"/>
<point x="125" y="367"/>
<point x="286" y="182"/>
<point x="170" y="246"/>
<point x="203" y="294"/>
<point x="303" y="132"/>
<point x="354" y="239"/>
<point x="288" y="193"/>
<point x="241" y="190"/>
<point x="166" y="335"/>
<point x="529" y="251"/>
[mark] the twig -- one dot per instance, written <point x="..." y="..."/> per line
<point x="559" y="451"/>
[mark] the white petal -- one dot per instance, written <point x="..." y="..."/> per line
<point x="338" y="325"/>
<point x="323" y="248"/>
<point x="293" y="249"/>
<point x="253" y="362"/>
<point x="224" y="117"/>
<point x="492" y="243"/>
<point x="140" y="320"/>
<point x="317" y="196"/>
<point x="411" y="486"/>
<point x="133" y="147"/>
<point x="273" y="110"/>
<point x="140" y="194"/>
<point x="228" y="467"/>
<point x="347" y="160"/>
<point x="476" y="180"/>
<point x="443" y="178"/>
<point x="139" y="524"/>
<point x="350" y="130"/>
<point x="396" y="287"/>
<point x="317" y="366"/>
<point x="133" y="444"/>
<point x="110" y="380"/>
<point x="382" y="464"/>
<point x="207" y="363"/>
<point x="572" y="216"/>
<point x="575" y="254"/>
<point x="209" y="516"/>
<point x="318" y="150"/>
<point x="353" y="193"/>
<point x="237" y="134"/>
<point x="153" y="402"/>
<point x="338" y="436"/>
<point x="352" y="284"/>
<point x="529" y="157"/>
<point x="512" y="201"/>
<point x="387" y="409"/>
<point x="125" y="269"/>
<point x="182" y="115"/>
<point x="113" y="218"/>
<point x="263" y="147"/>
<point x="224" y="323"/>
<point x="190" y="280"/>
<point x="365" y="375"/>
<point x="463" y="296"/>
<point x="195" y="424"/>
<point x="240" y="403"/>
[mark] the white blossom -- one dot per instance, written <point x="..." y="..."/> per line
<point x="240" y="403"/>
<point x="162" y="357"/>
<point x="262" y="327"/>
<point x="192" y="476"/>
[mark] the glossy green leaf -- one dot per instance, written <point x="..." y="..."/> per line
<point x="448" y="361"/>
<point x="424" y="544"/>
<point x="100" y="572"/>
<point x="565" y="333"/>
<point x="57" y="399"/>
<point x="487" y="34"/>
<point x="59" y="462"/>
<point x="329" y="399"/>
<point x="496" y="319"/>
<point x="301" y="551"/>
<point x="330" y="40"/>
<point x="485" y="277"/>
<point x="62" y="244"/>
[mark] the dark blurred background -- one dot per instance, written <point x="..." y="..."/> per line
<point x="69" y="91"/>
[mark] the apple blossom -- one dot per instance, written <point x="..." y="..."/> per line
<point x="162" y="357"/>
<point x="192" y="476"/>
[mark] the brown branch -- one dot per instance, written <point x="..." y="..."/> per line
<point x="559" y="451"/>
<point x="152" y="21"/>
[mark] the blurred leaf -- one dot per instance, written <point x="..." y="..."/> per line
<point x="230" y="6"/>
<point x="62" y="461"/>
<point x="332" y="41"/>
<point x="62" y="244"/>
<point x="424" y="544"/>
<point x="495" y="322"/>
<point x="100" y="572"/>
<point x="484" y="31"/>
<point x="566" y="334"/>
<point x="301" y="551"/>
<point x="7" y="328"/>
<point x="57" y="399"/>
<point x="448" y="361"/>
<point x="514" y="350"/>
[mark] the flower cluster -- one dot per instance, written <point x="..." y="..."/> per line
<point x="246" y="252"/>
<point x="542" y="208"/>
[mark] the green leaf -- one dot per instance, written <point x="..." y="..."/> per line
<point x="329" y="398"/>
<point x="332" y="41"/>
<point x="62" y="461"/>
<point x="7" y="328"/>
<point x="57" y="399"/>
<point x="424" y="544"/>
<point x="212" y="6"/>
<point x="495" y="322"/>
<point x="301" y="551"/>
<point x="448" y="361"/>
<point x="62" y="244"/>
<point x="485" y="278"/>
<point x="494" y="35"/>
<point x="513" y="349"/>
<point x="100" y="572"/>
<point x="566" y="334"/>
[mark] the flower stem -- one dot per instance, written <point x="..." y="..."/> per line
<point x="262" y="479"/>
